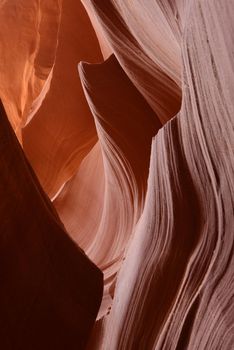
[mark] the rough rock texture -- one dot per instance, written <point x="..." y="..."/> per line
<point x="135" y="150"/>
<point x="175" y="288"/>
<point x="153" y="72"/>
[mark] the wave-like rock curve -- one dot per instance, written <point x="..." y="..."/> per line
<point x="135" y="150"/>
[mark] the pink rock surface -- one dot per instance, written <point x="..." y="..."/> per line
<point x="174" y="290"/>
<point x="153" y="72"/>
<point x="107" y="194"/>
<point x="135" y="150"/>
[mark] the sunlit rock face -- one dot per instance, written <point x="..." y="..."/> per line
<point x="63" y="131"/>
<point x="124" y="110"/>
<point x="28" y="42"/>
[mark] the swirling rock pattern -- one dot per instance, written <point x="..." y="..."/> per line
<point x="136" y="155"/>
<point x="28" y="42"/>
<point x="114" y="199"/>
<point x="63" y="131"/>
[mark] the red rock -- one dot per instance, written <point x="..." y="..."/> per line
<point x="141" y="174"/>
<point x="50" y="291"/>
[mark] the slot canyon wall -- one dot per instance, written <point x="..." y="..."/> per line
<point x="117" y="174"/>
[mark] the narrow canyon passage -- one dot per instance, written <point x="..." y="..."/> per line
<point x="117" y="168"/>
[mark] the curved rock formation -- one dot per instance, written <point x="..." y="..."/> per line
<point x="62" y="132"/>
<point x="137" y="159"/>
<point x="112" y="179"/>
<point x="153" y="72"/>
<point x="174" y="290"/>
<point x="28" y="42"/>
<point x="50" y="291"/>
